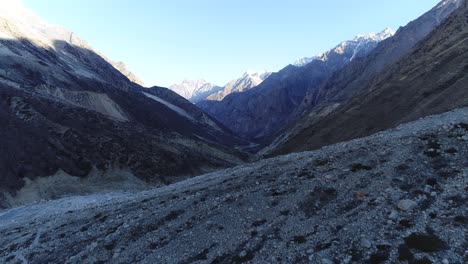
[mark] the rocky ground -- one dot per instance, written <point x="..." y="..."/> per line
<point x="399" y="196"/>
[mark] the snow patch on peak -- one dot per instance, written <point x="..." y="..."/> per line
<point x="444" y="8"/>
<point x="386" y="33"/>
<point x="193" y="89"/>
<point x="305" y="60"/>
<point x="259" y="76"/>
<point x="357" y="46"/>
<point x="249" y="80"/>
<point x="447" y="2"/>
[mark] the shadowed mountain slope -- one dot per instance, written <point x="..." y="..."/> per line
<point x="65" y="108"/>
<point x="431" y="79"/>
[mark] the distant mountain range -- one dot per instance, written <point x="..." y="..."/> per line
<point x="259" y="112"/>
<point x="199" y="90"/>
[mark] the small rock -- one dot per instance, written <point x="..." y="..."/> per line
<point x="365" y="243"/>
<point x="445" y="261"/>
<point x="393" y="215"/>
<point x="326" y="261"/>
<point x="406" y="205"/>
<point x="433" y="194"/>
<point x="358" y="196"/>
<point x="380" y="200"/>
<point x="250" y="209"/>
<point x="243" y="254"/>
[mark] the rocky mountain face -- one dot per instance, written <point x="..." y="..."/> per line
<point x="359" y="100"/>
<point x="195" y="91"/>
<point x="66" y="112"/>
<point x="395" y="197"/>
<point x="259" y="113"/>
<point x="248" y="81"/>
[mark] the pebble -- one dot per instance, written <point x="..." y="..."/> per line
<point x="365" y="243"/>
<point x="445" y="261"/>
<point x="393" y="215"/>
<point x="406" y="205"/>
<point x="325" y="261"/>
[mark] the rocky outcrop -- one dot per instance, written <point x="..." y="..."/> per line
<point x="398" y="196"/>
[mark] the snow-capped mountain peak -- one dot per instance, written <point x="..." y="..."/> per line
<point x="193" y="90"/>
<point x="199" y="90"/>
<point x="249" y="80"/>
<point x="256" y="77"/>
<point x="357" y="46"/>
<point x="305" y="60"/>
<point x="386" y="33"/>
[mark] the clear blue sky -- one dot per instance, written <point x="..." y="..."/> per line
<point x="166" y="41"/>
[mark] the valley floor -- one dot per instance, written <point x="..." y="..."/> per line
<point x="397" y="196"/>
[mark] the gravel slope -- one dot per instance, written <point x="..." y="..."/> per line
<point x="398" y="196"/>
